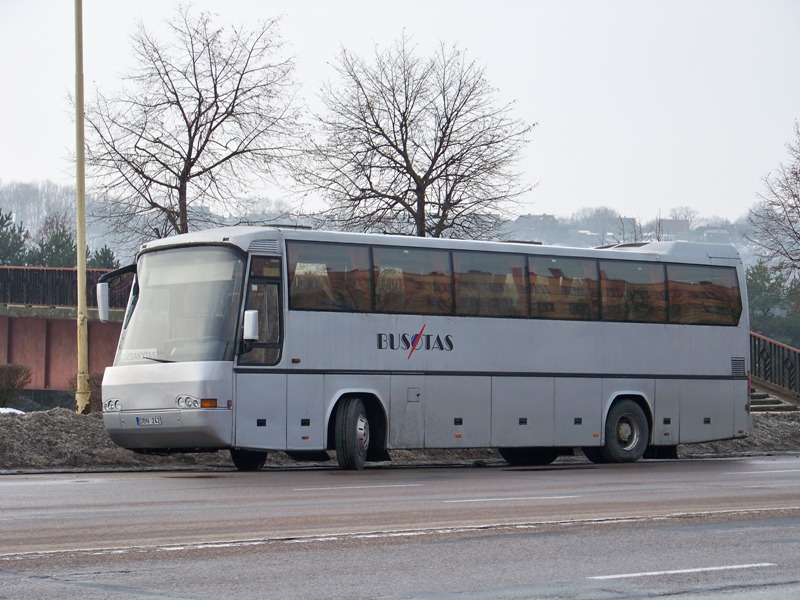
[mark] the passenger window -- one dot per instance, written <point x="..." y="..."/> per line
<point x="490" y="284"/>
<point x="563" y="288"/>
<point x="410" y="280"/>
<point x="703" y="295"/>
<point x="633" y="291"/>
<point x="329" y="277"/>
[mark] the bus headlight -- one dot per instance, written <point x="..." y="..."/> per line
<point x="187" y="402"/>
<point x="112" y="405"/>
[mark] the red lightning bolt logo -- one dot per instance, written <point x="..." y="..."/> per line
<point x="416" y="340"/>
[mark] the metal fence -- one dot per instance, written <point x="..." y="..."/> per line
<point x="775" y="363"/>
<point x="45" y="286"/>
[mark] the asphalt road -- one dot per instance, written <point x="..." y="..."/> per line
<point x="685" y="529"/>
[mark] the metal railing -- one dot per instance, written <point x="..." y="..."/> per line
<point x="775" y="363"/>
<point x="46" y="286"/>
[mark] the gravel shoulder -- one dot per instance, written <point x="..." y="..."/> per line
<point x="62" y="440"/>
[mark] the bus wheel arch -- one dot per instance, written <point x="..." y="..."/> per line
<point x="627" y="429"/>
<point x="357" y="419"/>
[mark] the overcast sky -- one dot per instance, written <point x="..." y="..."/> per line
<point x="640" y="105"/>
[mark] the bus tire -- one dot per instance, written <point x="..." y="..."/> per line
<point x="627" y="433"/>
<point x="528" y="457"/>
<point x="248" y="460"/>
<point x="351" y="434"/>
<point x="594" y="454"/>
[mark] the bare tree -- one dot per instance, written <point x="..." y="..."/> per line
<point x="685" y="213"/>
<point x="415" y="145"/>
<point x="204" y="117"/>
<point x="630" y="229"/>
<point x="775" y="220"/>
<point x="33" y="202"/>
<point x="601" y="220"/>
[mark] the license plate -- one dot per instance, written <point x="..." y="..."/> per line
<point x="148" y="420"/>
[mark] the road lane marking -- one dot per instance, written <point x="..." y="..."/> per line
<point x="392" y="533"/>
<point x="357" y="487"/>
<point x="762" y="472"/>
<point x="684" y="571"/>
<point x="764" y="486"/>
<point x="509" y="499"/>
<point x="12" y="483"/>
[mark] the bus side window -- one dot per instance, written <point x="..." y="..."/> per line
<point x="329" y="277"/>
<point x="311" y="288"/>
<point x="263" y="296"/>
<point x="633" y="291"/>
<point x="703" y="295"/>
<point x="410" y="280"/>
<point x="489" y="284"/>
<point x="563" y="288"/>
<point x="390" y="294"/>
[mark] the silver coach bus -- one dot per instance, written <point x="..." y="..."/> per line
<point x="262" y="339"/>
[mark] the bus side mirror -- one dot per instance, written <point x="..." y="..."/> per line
<point x="102" y="302"/>
<point x="250" y="333"/>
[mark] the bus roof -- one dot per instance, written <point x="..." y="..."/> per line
<point x="253" y="238"/>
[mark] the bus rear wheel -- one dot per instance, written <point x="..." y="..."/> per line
<point x="351" y="434"/>
<point x="627" y="433"/>
<point x="526" y="457"/>
<point x="248" y="460"/>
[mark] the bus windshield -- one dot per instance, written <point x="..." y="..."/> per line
<point x="183" y="306"/>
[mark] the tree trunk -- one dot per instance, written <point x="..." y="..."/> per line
<point x="183" y="213"/>
<point x="419" y="216"/>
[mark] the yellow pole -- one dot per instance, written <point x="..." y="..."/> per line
<point x="82" y="391"/>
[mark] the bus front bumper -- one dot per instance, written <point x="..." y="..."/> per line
<point x="178" y="430"/>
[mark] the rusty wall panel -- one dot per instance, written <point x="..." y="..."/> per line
<point x="49" y="348"/>
<point x="103" y="338"/>
<point x="5" y="344"/>
<point x="28" y="340"/>
<point x="62" y="354"/>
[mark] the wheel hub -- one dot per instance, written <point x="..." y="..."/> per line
<point x="362" y="434"/>
<point x="627" y="432"/>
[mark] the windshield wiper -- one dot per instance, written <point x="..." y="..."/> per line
<point x="161" y="360"/>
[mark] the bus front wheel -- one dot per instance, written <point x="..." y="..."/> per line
<point x="352" y="434"/>
<point x="627" y="433"/>
<point x="248" y="460"/>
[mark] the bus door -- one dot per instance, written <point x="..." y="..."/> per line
<point x="260" y="391"/>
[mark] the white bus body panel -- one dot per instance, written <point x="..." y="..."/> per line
<point x="702" y="420"/>
<point x="458" y="412"/>
<point x="578" y="422"/>
<point x="523" y="411"/>
<point x="147" y="391"/>
<point x="547" y="387"/>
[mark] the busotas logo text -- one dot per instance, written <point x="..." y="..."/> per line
<point x="415" y="341"/>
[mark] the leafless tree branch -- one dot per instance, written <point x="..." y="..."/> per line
<point x="414" y="145"/>
<point x="775" y="220"/>
<point x="203" y="117"/>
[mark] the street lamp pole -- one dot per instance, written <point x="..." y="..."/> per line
<point x="82" y="387"/>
